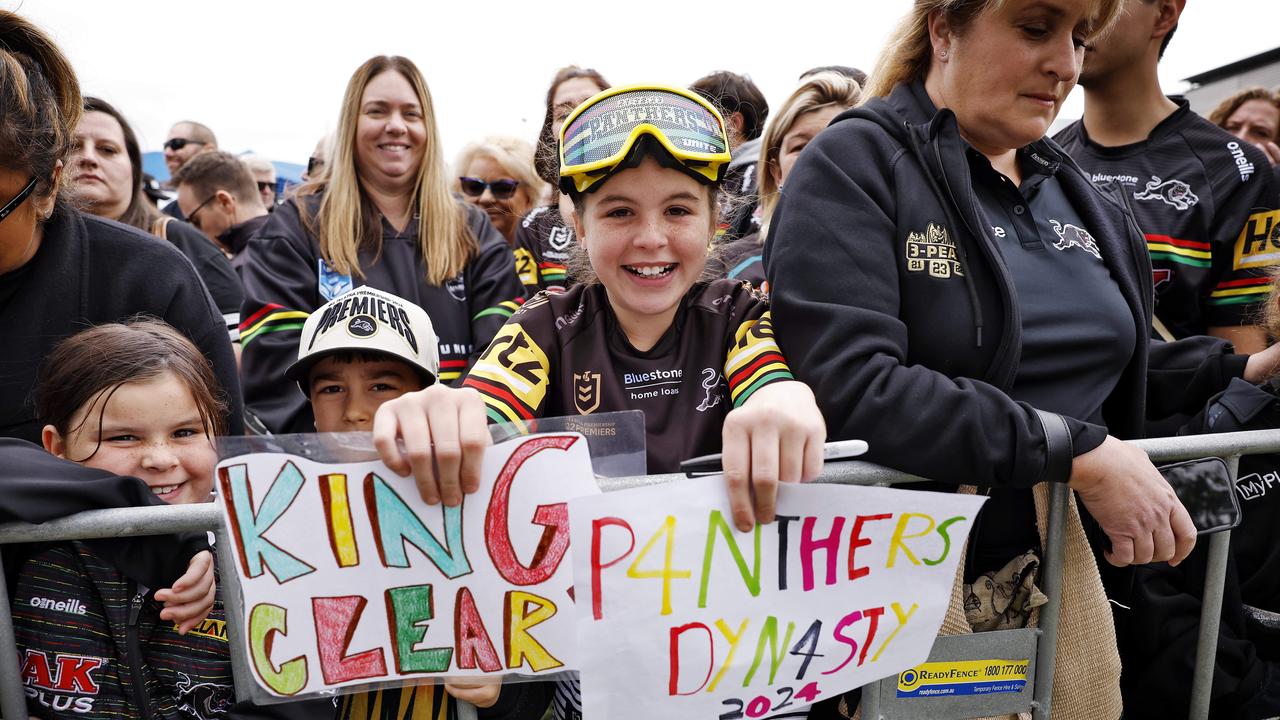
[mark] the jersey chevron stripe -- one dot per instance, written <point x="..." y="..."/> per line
<point x="754" y="347"/>
<point x="501" y="399"/>
<point x="1236" y="300"/>
<point x="269" y="307"/>
<point x="775" y="370"/>
<point x="1245" y="281"/>
<point x="1154" y="238"/>
<point x="766" y="380"/>
<point x="503" y="309"/>
<point x="767" y="361"/>
<point x="1262" y="290"/>
<point x="1180" y="259"/>
<point x="246" y="338"/>
<point x="275" y="317"/>
<point x="1176" y="250"/>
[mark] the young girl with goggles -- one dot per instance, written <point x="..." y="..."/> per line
<point x="642" y="331"/>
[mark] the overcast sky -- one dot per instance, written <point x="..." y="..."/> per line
<point x="268" y="75"/>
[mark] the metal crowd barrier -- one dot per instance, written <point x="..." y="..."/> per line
<point x="126" y="522"/>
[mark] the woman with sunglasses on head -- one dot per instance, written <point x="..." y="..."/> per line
<point x="960" y="295"/>
<point x="383" y="215"/>
<point x="497" y="175"/>
<point x="643" y="330"/>
<point x="545" y="236"/>
<point x="106" y="179"/>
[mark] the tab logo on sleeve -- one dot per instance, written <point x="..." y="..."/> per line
<point x="1259" y="241"/>
<point x="963" y="677"/>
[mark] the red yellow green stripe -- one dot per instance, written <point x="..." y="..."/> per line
<point x="504" y="309"/>
<point x="271" y="318"/>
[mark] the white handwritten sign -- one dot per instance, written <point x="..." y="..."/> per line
<point x="350" y="579"/>
<point x="682" y="616"/>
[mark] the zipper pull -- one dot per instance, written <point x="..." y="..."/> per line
<point x="135" y="608"/>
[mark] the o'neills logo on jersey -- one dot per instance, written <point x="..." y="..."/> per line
<point x="70" y="605"/>
<point x="934" y="251"/>
<point x="1242" y="163"/>
<point x="363" y="310"/>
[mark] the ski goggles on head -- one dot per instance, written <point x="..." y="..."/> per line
<point x="599" y="136"/>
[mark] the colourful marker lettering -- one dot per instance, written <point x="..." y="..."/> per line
<point x="474" y="646"/>
<point x="336" y="619"/>
<point x="409" y="609"/>
<point x="597" y="592"/>
<point x="899" y="534"/>
<point x="265" y="622"/>
<point x="524" y="611"/>
<point x="902" y="620"/>
<point x="733" y="639"/>
<point x="667" y="573"/>
<point x="769" y="634"/>
<point x="254" y="550"/>
<point x="750" y="577"/>
<point x="554" y="519"/>
<point x="673" y="677"/>
<point x="337" y="513"/>
<point x="394" y="524"/>
<point x="857" y="541"/>
<point x="829" y="545"/>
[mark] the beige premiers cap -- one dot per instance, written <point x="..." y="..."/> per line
<point x="367" y="320"/>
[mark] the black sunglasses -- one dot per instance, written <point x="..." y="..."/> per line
<point x="191" y="219"/>
<point x="264" y="185"/>
<point x="313" y="164"/>
<point x="13" y="204"/>
<point x="501" y="189"/>
<point x="176" y="144"/>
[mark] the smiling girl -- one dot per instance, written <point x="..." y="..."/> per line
<point x="643" y="331"/>
<point x="138" y="400"/>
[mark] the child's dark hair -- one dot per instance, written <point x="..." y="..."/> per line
<point x="346" y="357"/>
<point x="96" y="362"/>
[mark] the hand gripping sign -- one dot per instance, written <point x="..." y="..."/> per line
<point x="349" y="579"/>
<point x="682" y="616"/>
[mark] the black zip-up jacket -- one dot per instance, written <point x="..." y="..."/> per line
<point x="37" y="487"/>
<point x="920" y="363"/>
<point x="285" y="278"/>
<point x="90" y="271"/>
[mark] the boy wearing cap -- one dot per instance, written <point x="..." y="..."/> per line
<point x="359" y="351"/>
<point x="356" y="352"/>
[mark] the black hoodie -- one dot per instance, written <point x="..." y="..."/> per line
<point x="911" y="360"/>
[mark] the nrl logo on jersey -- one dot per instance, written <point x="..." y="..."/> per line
<point x="560" y="237"/>
<point x="586" y="392"/>
<point x="1070" y="236"/>
<point x="933" y="251"/>
<point x="1171" y="192"/>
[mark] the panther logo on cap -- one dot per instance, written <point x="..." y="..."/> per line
<point x="362" y="326"/>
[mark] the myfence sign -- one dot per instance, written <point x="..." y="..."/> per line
<point x="682" y="616"/>
<point x="350" y="579"/>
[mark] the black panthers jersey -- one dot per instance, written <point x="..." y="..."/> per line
<point x="1206" y="204"/>
<point x="542" y="246"/>
<point x="564" y="354"/>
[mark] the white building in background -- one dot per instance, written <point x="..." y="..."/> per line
<point x="1212" y="86"/>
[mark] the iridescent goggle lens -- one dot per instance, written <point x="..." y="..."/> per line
<point x="601" y="132"/>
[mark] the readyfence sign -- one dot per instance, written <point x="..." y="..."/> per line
<point x="350" y="579"/>
<point x="682" y="616"/>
